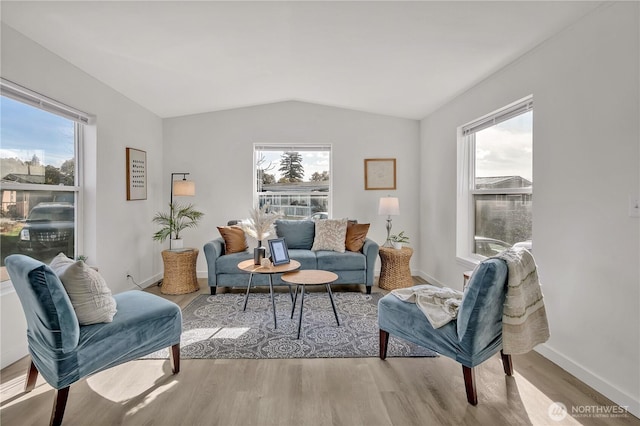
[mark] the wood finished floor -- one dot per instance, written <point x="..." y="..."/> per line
<point x="350" y="392"/>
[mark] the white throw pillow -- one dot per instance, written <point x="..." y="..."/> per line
<point x="88" y="291"/>
<point x="330" y="235"/>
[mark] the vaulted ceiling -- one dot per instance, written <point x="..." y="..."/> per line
<point x="403" y="59"/>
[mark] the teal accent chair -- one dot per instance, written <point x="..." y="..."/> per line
<point x="472" y="338"/>
<point x="65" y="352"/>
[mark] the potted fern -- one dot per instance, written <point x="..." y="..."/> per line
<point x="174" y="222"/>
<point x="398" y="239"/>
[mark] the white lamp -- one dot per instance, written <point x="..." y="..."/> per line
<point x="389" y="206"/>
<point x="181" y="188"/>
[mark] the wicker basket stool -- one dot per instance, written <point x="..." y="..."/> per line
<point x="179" y="271"/>
<point x="394" y="268"/>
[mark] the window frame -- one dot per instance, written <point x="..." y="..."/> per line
<point x="36" y="100"/>
<point x="327" y="147"/>
<point x="465" y="211"/>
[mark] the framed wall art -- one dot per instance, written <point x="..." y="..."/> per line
<point x="380" y="173"/>
<point x="136" y="174"/>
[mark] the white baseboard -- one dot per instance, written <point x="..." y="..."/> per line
<point x="598" y="383"/>
<point x="153" y="280"/>
<point x="428" y="278"/>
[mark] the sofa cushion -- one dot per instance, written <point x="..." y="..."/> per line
<point x="356" y="234"/>
<point x="234" y="239"/>
<point x="307" y="258"/>
<point x="298" y="234"/>
<point x="330" y="235"/>
<point x="334" y="261"/>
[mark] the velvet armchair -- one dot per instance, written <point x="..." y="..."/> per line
<point x="64" y="351"/>
<point x="472" y="338"/>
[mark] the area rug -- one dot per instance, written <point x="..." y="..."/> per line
<point x="217" y="327"/>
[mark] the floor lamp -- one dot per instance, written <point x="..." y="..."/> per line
<point x="180" y="188"/>
<point x="389" y="206"/>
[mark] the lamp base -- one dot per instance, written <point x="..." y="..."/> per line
<point x="387" y="243"/>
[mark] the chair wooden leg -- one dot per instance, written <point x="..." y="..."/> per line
<point x="470" y="384"/>
<point x="174" y="355"/>
<point x="384" y="340"/>
<point x="32" y="376"/>
<point x="507" y="364"/>
<point x="59" y="404"/>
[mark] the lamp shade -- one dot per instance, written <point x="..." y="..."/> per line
<point x="184" y="188"/>
<point x="389" y="206"/>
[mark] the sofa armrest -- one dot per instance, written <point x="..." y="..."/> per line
<point x="370" y="250"/>
<point x="212" y="251"/>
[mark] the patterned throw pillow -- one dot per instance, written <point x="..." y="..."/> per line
<point x="356" y="234"/>
<point x="330" y="235"/>
<point x="234" y="239"/>
<point x="87" y="290"/>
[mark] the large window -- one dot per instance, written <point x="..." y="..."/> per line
<point x="294" y="179"/>
<point x="496" y="182"/>
<point x="39" y="182"/>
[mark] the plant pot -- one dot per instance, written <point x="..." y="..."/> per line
<point x="396" y="245"/>
<point x="177" y="244"/>
<point x="259" y="253"/>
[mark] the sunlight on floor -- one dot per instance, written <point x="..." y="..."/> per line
<point x="152" y="396"/>
<point x="15" y="387"/>
<point x="230" y="332"/>
<point x="117" y="386"/>
<point x="540" y="408"/>
<point x="12" y="387"/>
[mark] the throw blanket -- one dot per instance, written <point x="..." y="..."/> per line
<point x="524" y="319"/>
<point x="440" y="305"/>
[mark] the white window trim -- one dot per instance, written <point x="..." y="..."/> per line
<point x="36" y="100"/>
<point x="465" y="223"/>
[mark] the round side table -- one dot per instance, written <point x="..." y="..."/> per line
<point x="394" y="268"/>
<point x="179" y="271"/>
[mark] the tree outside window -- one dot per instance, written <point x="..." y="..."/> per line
<point x="294" y="180"/>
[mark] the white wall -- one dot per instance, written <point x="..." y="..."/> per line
<point x="217" y="149"/>
<point x="585" y="84"/>
<point x="117" y="232"/>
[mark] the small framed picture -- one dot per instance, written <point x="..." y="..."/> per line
<point x="379" y="173"/>
<point x="279" y="251"/>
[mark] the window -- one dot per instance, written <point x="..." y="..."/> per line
<point x="495" y="177"/>
<point x="294" y="180"/>
<point x="39" y="182"/>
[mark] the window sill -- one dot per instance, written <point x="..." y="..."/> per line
<point x="468" y="262"/>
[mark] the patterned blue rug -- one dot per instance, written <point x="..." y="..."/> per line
<point x="217" y="327"/>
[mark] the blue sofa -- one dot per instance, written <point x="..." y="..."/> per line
<point x="351" y="267"/>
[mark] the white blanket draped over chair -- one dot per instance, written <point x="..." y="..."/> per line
<point x="524" y="318"/>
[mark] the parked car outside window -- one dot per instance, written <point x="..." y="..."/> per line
<point x="48" y="230"/>
<point x="318" y="215"/>
<point x="490" y="246"/>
